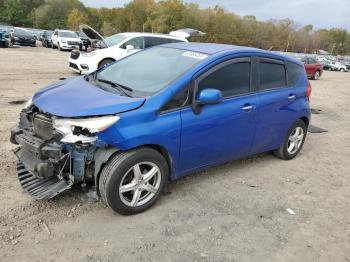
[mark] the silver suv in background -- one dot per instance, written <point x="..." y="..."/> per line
<point x="65" y="40"/>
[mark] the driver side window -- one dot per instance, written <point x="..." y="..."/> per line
<point x="231" y="79"/>
<point x="137" y="43"/>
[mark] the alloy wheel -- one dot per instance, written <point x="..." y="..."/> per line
<point x="140" y="184"/>
<point x="295" y="140"/>
<point x="317" y="75"/>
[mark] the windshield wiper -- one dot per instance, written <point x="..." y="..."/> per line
<point x="121" y="88"/>
<point x="90" y="76"/>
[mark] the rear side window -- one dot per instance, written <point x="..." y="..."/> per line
<point x="137" y="43"/>
<point x="312" y="61"/>
<point x="232" y="79"/>
<point x="153" y="41"/>
<point x="295" y="73"/>
<point x="272" y="75"/>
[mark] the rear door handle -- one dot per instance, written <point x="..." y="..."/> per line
<point x="292" y="97"/>
<point x="247" y="108"/>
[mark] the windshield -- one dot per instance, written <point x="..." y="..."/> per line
<point x="149" y="71"/>
<point x="67" y="34"/>
<point x="115" y="39"/>
<point x="81" y="34"/>
<point x="22" y="32"/>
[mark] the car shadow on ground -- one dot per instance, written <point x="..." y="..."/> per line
<point x="77" y="195"/>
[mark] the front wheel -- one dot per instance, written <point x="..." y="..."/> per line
<point x="105" y="63"/>
<point x="293" y="142"/>
<point x="342" y="70"/>
<point x="132" y="181"/>
<point x="316" y="75"/>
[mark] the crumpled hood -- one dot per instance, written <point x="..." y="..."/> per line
<point x="75" y="97"/>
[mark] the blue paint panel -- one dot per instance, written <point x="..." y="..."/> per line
<point x="76" y="97"/>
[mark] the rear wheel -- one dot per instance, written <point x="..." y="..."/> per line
<point x="342" y="70"/>
<point x="131" y="182"/>
<point x="316" y="75"/>
<point x="105" y="62"/>
<point x="293" y="142"/>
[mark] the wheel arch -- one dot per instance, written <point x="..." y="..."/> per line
<point x="103" y="155"/>
<point x="105" y="58"/>
<point x="305" y="120"/>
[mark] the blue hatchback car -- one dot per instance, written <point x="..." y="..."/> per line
<point x="158" y="115"/>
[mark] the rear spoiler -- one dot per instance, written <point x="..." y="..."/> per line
<point x="186" y="33"/>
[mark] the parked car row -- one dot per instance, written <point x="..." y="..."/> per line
<point x="335" y="66"/>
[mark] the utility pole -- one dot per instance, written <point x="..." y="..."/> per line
<point x="332" y="49"/>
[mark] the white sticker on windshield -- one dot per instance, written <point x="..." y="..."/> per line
<point x="195" y="55"/>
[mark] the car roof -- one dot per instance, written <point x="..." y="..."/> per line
<point x="211" y="49"/>
<point x="129" y="34"/>
<point x="63" y="30"/>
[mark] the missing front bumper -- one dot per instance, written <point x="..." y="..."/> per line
<point x="41" y="188"/>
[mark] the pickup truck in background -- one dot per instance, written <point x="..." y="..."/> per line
<point x="313" y="68"/>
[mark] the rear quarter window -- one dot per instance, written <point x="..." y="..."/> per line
<point x="295" y="73"/>
<point x="154" y="41"/>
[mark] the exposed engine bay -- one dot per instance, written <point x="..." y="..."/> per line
<point x="53" y="155"/>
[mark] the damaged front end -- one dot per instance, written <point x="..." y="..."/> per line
<point x="54" y="153"/>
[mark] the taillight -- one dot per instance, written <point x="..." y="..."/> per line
<point x="308" y="91"/>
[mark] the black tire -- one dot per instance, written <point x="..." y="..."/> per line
<point x="105" y="62"/>
<point x="282" y="152"/>
<point x="59" y="47"/>
<point x="114" y="171"/>
<point x="53" y="46"/>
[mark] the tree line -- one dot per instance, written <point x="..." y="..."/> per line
<point x="164" y="16"/>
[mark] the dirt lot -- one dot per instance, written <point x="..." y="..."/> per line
<point x="235" y="212"/>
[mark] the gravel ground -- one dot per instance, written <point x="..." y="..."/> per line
<point x="234" y="212"/>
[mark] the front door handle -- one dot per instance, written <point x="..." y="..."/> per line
<point x="247" y="108"/>
<point x="292" y="97"/>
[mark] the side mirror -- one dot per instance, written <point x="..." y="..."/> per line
<point x="129" y="48"/>
<point x="209" y="96"/>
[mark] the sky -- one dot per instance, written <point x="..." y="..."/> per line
<point x="319" y="13"/>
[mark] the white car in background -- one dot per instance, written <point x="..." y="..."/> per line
<point x="337" y="66"/>
<point x="65" y="40"/>
<point x="120" y="45"/>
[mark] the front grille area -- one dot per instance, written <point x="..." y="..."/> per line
<point x="72" y="65"/>
<point x="74" y="54"/>
<point x="42" y="126"/>
<point x="73" y="43"/>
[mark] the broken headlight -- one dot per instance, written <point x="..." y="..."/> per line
<point x="28" y="104"/>
<point x="82" y="130"/>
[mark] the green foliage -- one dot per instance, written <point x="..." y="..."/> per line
<point x="77" y="17"/>
<point x="54" y="13"/>
<point x="18" y="12"/>
<point x="167" y="15"/>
